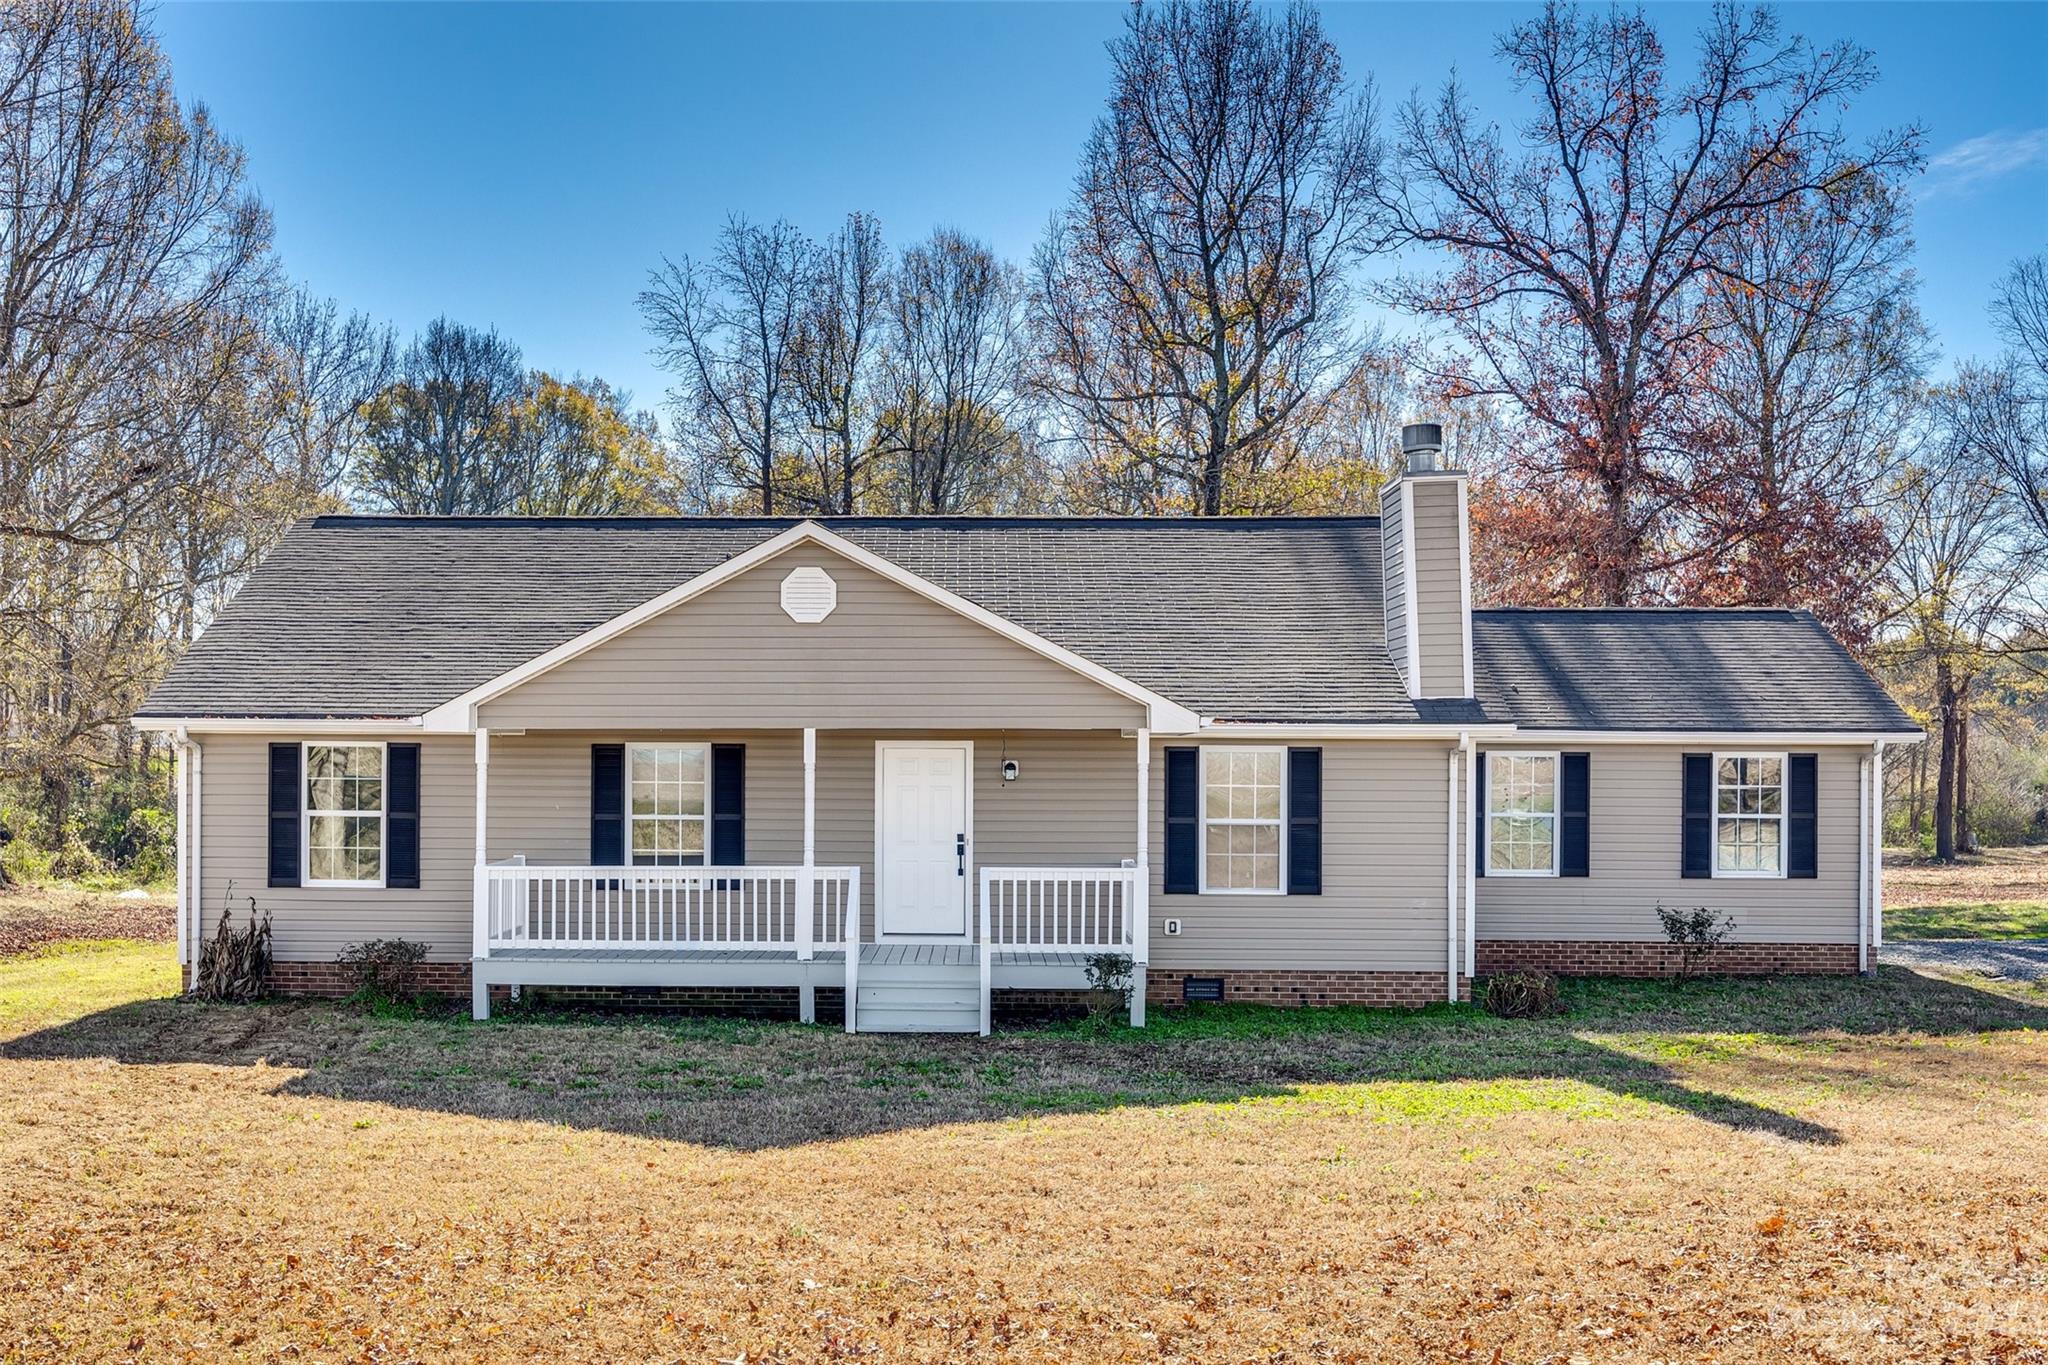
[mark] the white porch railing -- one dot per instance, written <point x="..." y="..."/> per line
<point x="522" y="905"/>
<point x="1046" y="910"/>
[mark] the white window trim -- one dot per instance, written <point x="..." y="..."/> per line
<point x="306" y="812"/>
<point x="1556" y="758"/>
<point x="1202" y="847"/>
<point x="1782" y="817"/>
<point x="702" y="746"/>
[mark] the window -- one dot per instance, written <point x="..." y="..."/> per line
<point x="1749" y="815"/>
<point x="1521" y="815"/>
<point x="665" y="801"/>
<point x="1243" y="793"/>
<point x="344" y="814"/>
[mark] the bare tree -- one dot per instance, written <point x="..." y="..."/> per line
<point x="2011" y="400"/>
<point x="1580" y="256"/>
<point x="953" y="425"/>
<point x="325" y="371"/>
<point x="1819" y="353"/>
<point x="1190" y="302"/>
<point x="725" y="328"/>
<point x="125" y="227"/>
<point x="437" y="441"/>
<point x="833" y="357"/>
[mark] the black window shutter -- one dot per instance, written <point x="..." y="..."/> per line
<point x="1802" y="812"/>
<point x="1574" y="799"/>
<point x="1304" y="822"/>
<point x="1698" y="857"/>
<point x="607" y="805"/>
<point x="728" y="805"/>
<point x="402" y="815"/>
<point x="285" y="796"/>
<point x="1479" y="816"/>
<point x="1183" y="810"/>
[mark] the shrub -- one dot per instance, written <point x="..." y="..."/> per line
<point x="383" y="969"/>
<point x="1522" y="994"/>
<point x="1109" y="983"/>
<point x="235" y="963"/>
<point x="1695" y="934"/>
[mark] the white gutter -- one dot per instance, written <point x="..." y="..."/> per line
<point x="273" y="725"/>
<point x="1706" y="738"/>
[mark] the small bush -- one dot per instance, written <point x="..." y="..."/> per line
<point x="1695" y="934"/>
<point x="1109" y="983"/>
<point x="235" y="963"/>
<point x="1522" y="994"/>
<point x="383" y="969"/>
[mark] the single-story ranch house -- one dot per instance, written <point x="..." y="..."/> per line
<point x="920" y="763"/>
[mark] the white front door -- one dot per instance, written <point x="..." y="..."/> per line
<point x="922" y="837"/>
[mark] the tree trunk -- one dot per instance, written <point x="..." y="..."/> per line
<point x="1945" y="782"/>
<point x="1919" y="806"/>
<point x="1963" y="841"/>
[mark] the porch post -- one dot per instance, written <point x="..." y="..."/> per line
<point x="806" y="880"/>
<point x="1470" y="821"/>
<point x="1456" y="950"/>
<point x="1141" y="896"/>
<point x="480" y="891"/>
<point x="180" y="771"/>
<point x="1876" y="851"/>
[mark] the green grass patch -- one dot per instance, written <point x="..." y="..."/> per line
<point x="1995" y="919"/>
<point x="69" y="980"/>
<point x="1446" y="1102"/>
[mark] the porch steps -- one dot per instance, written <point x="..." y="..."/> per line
<point x="922" y="997"/>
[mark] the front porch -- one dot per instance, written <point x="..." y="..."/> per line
<point x="914" y="929"/>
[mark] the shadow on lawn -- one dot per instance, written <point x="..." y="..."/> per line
<point x="747" y="1085"/>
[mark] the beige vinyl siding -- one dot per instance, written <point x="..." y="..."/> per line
<point x="886" y="657"/>
<point x="315" y="923"/>
<point x="1384" y="869"/>
<point x="1635" y="826"/>
<point x="1439" y="576"/>
<point x="1393" y="576"/>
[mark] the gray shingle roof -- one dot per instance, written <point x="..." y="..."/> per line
<point x="1239" y="619"/>
<point x="1673" y="668"/>
<point x="1256" y="619"/>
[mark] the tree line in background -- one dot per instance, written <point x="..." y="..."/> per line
<point x="1669" y="322"/>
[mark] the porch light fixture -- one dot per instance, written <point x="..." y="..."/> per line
<point x="809" y="595"/>
<point x="1009" y="770"/>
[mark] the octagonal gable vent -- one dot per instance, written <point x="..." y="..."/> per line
<point x="809" y="594"/>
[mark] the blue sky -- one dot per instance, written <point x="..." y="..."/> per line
<point x="524" y="166"/>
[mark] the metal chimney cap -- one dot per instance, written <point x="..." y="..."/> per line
<point x="1423" y="444"/>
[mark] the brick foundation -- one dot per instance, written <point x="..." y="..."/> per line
<point x="1386" y="989"/>
<point x="1611" y="958"/>
<point x="328" y="979"/>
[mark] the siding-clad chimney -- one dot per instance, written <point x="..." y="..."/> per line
<point x="1426" y="568"/>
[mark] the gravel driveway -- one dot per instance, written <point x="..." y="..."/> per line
<point x="2023" y="959"/>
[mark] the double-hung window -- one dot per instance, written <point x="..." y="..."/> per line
<point x="666" y="794"/>
<point x="344" y="822"/>
<point x="1244" y="794"/>
<point x="1521" y="815"/>
<point x="1749" y="815"/>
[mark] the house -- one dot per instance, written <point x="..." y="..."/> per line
<point x="916" y="764"/>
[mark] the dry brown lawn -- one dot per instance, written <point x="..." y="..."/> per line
<point x="33" y="916"/>
<point x="1995" y="875"/>
<point x="1819" y="1170"/>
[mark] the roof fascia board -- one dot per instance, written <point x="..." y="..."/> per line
<point x="267" y="725"/>
<point x="458" y="715"/>
<point x="1713" y="737"/>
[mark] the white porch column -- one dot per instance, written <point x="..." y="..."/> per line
<point x="1141" y="899"/>
<point x="806" y="880"/>
<point x="179" y="772"/>
<point x="198" y="858"/>
<point x="1865" y="880"/>
<point x="480" y="893"/>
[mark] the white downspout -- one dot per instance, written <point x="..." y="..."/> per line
<point x="1876" y="848"/>
<point x="1864" y="875"/>
<point x="1452" y="953"/>
<point x="1467" y="825"/>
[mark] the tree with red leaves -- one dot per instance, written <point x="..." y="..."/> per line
<point x="1585" y="259"/>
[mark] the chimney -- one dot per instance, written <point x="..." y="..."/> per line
<point x="1425" y="562"/>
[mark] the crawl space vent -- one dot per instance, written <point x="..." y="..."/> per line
<point x="809" y="594"/>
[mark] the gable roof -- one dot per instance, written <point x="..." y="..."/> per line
<point x="1244" y="619"/>
<point x="1674" y="668"/>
